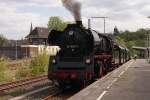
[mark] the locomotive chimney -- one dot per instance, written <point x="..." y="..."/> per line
<point x="79" y="23"/>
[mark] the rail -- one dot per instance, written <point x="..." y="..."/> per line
<point x="19" y="83"/>
<point x="54" y="94"/>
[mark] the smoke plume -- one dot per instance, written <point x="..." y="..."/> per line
<point x="74" y="7"/>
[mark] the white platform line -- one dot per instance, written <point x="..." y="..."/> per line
<point x="125" y="69"/>
<point x="29" y="93"/>
<point x="129" y="65"/>
<point x="112" y="83"/>
<point x="104" y="92"/>
<point x="101" y="96"/>
<point x="121" y="74"/>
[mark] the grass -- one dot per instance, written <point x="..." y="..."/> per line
<point x="36" y="66"/>
<point x="22" y="72"/>
<point x="3" y="68"/>
<point x="5" y="75"/>
<point x="39" y="65"/>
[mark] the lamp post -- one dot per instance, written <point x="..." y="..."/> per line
<point x="99" y="18"/>
<point x="148" y="43"/>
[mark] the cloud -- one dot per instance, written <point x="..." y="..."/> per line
<point x="126" y="14"/>
<point x="49" y="3"/>
<point x="17" y="24"/>
<point x="16" y="15"/>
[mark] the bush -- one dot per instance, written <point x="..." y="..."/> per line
<point x="5" y="74"/>
<point x="39" y="64"/>
<point x="3" y="66"/>
<point x="22" y="72"/>
<point x="2" y="76"/>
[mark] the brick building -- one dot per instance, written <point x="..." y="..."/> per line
<point x="37" y="43"/>
<point x="38" y="36"/>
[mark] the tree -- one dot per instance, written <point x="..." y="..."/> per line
<point x="3" y="40"/>
<point x="57" y="24"/>
<point x="116" y="31"/>
<point x="137" y="38"/>
<point x="121" y="41"/>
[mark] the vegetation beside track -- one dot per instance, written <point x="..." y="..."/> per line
<point x="39" y="65"/>
<point x="35" y="67"/>
<point x="5" y="74"/>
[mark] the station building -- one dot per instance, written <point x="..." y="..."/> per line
<point x="38" y="43"/>
<point x="35" y="43"/>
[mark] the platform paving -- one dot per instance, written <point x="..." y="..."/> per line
<point x="131" y="81"/>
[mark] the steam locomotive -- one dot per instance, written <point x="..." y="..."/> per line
<point x="85" y="55"/>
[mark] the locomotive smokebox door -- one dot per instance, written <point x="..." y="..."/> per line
<point x="54" y="38"/>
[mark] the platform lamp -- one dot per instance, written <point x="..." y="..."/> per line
<point x="148" y="41"/>
<point x="148" y="48"/>
<point x="148" y="45"/>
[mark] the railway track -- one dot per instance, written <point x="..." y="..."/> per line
<point x="53" y="95"/>
<point x="16" y="84"/>
<point x="59" y="94"/>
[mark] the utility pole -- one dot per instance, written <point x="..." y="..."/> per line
<point x="104" y="22"/>
<point x="16" y="50"/>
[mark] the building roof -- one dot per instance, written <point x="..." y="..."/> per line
<point x="39" y="32"/>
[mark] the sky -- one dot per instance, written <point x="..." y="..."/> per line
<point x="16" y="15"/>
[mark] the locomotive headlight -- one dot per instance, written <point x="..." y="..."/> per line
<point x="54" y="61"/>
<point x="87" y="61"/>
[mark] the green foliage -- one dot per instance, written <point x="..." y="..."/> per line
<point x="3" y="40"/>
<point x="137" y="37"/>
<point x="121" y="42"/>
<point x="5" y="75"/>
<point x="130" y="44"/>
<point x="3" y="65"/>
<point x="133" y="39"/>
<point x="39" y="64"/>
<point x="56" y="23"/>
<point x="22" y="72"/>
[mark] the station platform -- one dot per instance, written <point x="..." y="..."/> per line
<point x="130" y="81"/>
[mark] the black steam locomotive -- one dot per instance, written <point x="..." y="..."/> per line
<point x="85" y="55"/>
